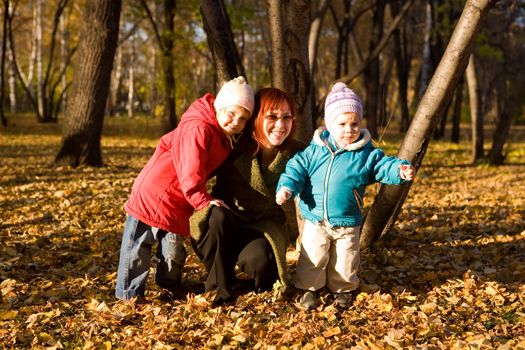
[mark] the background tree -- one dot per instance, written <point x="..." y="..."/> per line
<point x="220" y="40"/>
<point x="164" y="37"/>
<point x="5" y="20"/>
<point x="85" y="109"/>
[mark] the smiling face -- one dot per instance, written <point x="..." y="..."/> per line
<point x="346" y="128"/>
<point x="232" y="119"/>
<point x="277" y="124"/>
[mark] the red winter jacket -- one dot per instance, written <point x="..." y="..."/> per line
<point x="173" y="183"/>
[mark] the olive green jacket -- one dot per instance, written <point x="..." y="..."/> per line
<point x="249" y="191"/>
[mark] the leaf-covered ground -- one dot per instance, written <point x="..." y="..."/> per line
<point x="450" y="276"/>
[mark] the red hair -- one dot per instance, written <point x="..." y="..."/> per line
<point x="268" y="99"/>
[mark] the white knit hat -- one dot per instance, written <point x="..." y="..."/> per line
<point x="236" y="92"/>
<point x="341" y="99"/>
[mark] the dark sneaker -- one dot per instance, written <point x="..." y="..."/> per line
<point x="178" y="292"/>
<point x="343" y="300"/>
<point x="308" y="301"/>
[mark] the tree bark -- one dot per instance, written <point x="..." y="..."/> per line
<point x="289" y="23"/>
<point x="165" y="41"/>
<point x="372" y="72"/>
<point x="402" y="69"/>
<point x="315" y="31"/>
<point x="476" y="117"/>
<point x="388" y="202"/>
<point x="220" y="40"/>
<point x="456" y="116"/>
<point x="298" y="67"/>
<point x="85" y="109"/>
<point x="2" y="61"/>
<point x="426" y="66"/>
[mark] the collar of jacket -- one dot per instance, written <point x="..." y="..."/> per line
<point x="321" y="138"/>
<point x="250" y="169"/>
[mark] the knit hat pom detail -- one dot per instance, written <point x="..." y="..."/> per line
<point x="236" y="92"/>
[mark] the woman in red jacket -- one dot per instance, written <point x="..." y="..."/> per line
<point x="173" y="184"/>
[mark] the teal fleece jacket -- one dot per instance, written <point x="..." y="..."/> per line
<point x="331" y="184"/>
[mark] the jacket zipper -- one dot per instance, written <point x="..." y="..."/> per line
<point x="325" y="199"/>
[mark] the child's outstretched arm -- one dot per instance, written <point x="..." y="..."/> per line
<point x="292" y="180"/>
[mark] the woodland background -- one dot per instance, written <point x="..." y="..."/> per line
<point x="450" y="272"/>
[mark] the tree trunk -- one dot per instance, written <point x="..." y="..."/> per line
<point x="170" y="119"/>
<point x="131" y="76"/>
<point x="298" y="68"/>
<point x="2" y="62"/>
<point x="456" y="117"/>
<point x="315" y="31"/>
<point x="277" y="45"/>
<point x="39" y="64"/>
<point x="476" y="117"/>
<point x="220" y="40"/>
<point x="388" y="202"/>
<point x="165" y="40"/>
<point x="402" y="70"/>
<point x="64" y="60"/>
<point x="86" y="105"/>
<point x="372" y="72"/>
<point x="116" y="83"/>
<point x="426" y="67"/>
<point x="501" y="132"/>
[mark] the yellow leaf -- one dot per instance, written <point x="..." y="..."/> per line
<point x="105" y="346"/>
<point x="8" y="315"/>
<point x="241" y="338"/>
<point x="491" y="291"/>
<point x="319" y="341"/>
<point x="428" y="308"/>
<point x="331" y="332"/>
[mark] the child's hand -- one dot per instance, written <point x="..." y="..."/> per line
<point x="407" y="172"/>
<point x="219" y="203"/>
<point x="282" y="195"/>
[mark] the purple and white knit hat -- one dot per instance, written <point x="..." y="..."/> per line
<point x="341" y="99"/>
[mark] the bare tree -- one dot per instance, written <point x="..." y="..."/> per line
<point x="85" y="109"/>
<point x="45" y="102"/>
<point x="220" y="40"/>
<point x="165" y="41"/>
<point x="388" y="202"/>
<point x="2" y="61"/>
<point x="475" y="110"/>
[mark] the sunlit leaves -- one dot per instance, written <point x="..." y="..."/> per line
<point x="449" y="277"/>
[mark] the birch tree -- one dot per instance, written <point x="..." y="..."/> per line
<point x="475" y="110"/>
<point x="387" y="204"/>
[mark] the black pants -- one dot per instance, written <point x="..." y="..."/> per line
<point x="227" y="243"/>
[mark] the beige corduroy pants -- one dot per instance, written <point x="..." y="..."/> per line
<point x="329" y="257"/>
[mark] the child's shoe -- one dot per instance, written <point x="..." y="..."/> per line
<point x="308" y="301"/>
<point x="343" y="300"/>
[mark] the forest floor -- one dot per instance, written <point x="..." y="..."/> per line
<point x="449" y="276"/>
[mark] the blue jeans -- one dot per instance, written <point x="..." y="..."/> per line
<point x="135" y="259"/>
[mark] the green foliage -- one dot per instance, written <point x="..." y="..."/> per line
<point x="486" y="50"/>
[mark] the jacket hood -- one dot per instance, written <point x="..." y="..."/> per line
<point x="321" y="139"/>
<point x="201" y="109"/>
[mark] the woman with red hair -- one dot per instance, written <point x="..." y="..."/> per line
<point x="252" y="232"/>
